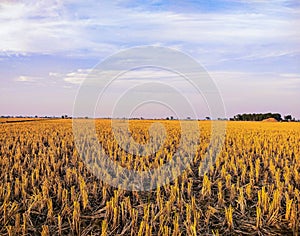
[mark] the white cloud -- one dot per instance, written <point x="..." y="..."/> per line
<point x="229" y="82"/>
<point x="39" y="81"/>
<point x="94" y="28"/>
<point x="24" y="78"/>
<point x="290" y="75"/>
<point x="133" y="76"/>
<point x="45" y="27"/>
<point x="76" y="77"/>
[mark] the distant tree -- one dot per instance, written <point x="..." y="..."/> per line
<point x="257" y="117"/>
<point x="238" y="117"/>
<point x="207" y="118"/>
<point x="288" y="117"/>
<point x="277" y="116"/>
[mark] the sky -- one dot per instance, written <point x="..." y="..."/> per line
<point x="250" y="49"/>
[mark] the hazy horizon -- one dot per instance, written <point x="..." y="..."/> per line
<point x="171" y="117"/>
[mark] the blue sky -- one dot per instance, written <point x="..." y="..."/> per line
<point x="251" y="49"/>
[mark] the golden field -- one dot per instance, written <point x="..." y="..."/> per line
<point x="252" y="189"/>
<point x="12" y="120"/>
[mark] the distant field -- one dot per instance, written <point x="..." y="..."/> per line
<point x="252" y="189"/>
<point x="13" y="120"/>
<point x="8" y="120"/>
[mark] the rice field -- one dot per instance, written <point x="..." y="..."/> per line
<point x="253" y="188"/>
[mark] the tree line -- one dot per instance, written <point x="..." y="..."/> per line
<point x="262" y="116"/>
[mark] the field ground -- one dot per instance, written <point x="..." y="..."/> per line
<point x="252" y="189"/>
<point x="14" y="120"/>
